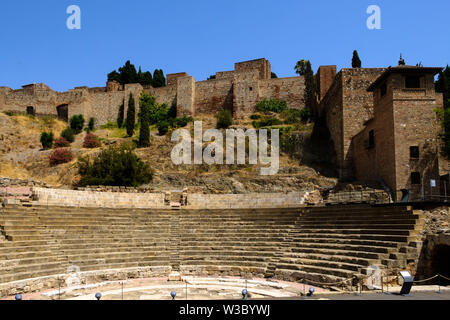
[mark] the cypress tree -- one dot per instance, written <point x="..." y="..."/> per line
<point x="145" y="105"/>
<point x="121" y="115"/>
<point x="131" y="114"/>
<point x="356" y="62"/>
<point x="310" y="81"/>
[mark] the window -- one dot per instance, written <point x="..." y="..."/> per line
<point x="383" y="89"/>
<point x="371" y="139"/>
<point x="412" y="82"/>
<point x="251" y="88"/>
<point x="414" y="152"/>
<point x="415" y="178"/>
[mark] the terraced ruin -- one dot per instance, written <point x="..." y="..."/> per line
<point x="39" y="244"/>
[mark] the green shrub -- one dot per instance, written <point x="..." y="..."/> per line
<point x="172" y="113"/>
<point x="109" y="125"/>
<point x="77" y="123"/>
<point x="163" y="128"/>
<point x="47" y="140"/>
<point x="266" y="122"/>
<point x="255" y="116"/>
<point x="181" y="122"/>
<point x="68" y="135"/>
<point x="91" y="124"/>
<point x="272" y="105"/>
<point x="115" y="166"/>
<point x="224" y="119"/>
<point x="60" y="156"/>
<point x="305" y="114"/>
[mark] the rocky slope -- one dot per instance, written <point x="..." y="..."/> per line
<point x="21" y="157"/>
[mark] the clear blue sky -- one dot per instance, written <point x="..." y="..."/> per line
<point x="202" y="37"/>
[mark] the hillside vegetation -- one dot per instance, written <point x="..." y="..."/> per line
<point x="21" y="156"/>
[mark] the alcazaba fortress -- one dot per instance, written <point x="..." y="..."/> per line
<point x="381" y="120"/>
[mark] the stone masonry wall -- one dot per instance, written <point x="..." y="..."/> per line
<point x="256" y="200"/>
<point x="346" y="107"/>
<point x="211" y="96"/>
<point x="133" y="199"/>
<point x="290" y="90"/>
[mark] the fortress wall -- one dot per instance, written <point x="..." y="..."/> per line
<point x="3" y="93"/>
<point x="186" y="96"/>
<point x="365" y="159"/>
<point x="104" y="107"/>
<point x="347" y="106"/>
<point x="42" y="100"/>
<point x="357" y="108"/>
<point x="211" y="96"/>
<point x="324" y="79"/>
<point x="172" y="79"/>
<point x="245" y="92"/>
<point x="167" y="95"/>
<point x="290" y="90"/>
<point x="228" y="75"/>
<point x="261" y="65"/>
<point x="331" y="108"/>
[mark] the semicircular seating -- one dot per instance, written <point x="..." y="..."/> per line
<point x="324" y="244"/>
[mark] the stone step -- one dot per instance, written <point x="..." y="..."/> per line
<point x="315" y="269"/>
<point x="351" y="208"/>
<point x="342" y="251"/>
<point x="381" y="237"/>
<point x="354" y="231"/>
<point x="334" y="258"/>
<point x="355" y="226"/>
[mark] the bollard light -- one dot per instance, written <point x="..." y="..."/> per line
<point x="18" y="296"/>
<point x="98" y="295"/>
<point x="311" y="292"/>
<point x="173" y="294"/>
<point x="244" y="294"/>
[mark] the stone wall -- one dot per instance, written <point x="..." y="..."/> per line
<point x="261" y="65"/>
<point x="98" y="199"/>
<point x="255" y="200"/>
<point x="290" y="90"/>
<point x="211" y="96"/>
<point x="324" y="79"/>
<point x="403" y="118"/>
<point x="237" y="90"/>
<point x="347" y="106"/>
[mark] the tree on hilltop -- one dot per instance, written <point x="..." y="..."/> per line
<point x="304" y="68"/>
<point x="128" y="74"/>
<point x="131" y="115"/>
<point x="356" y="62"/>
<point x="158" y="79"/>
